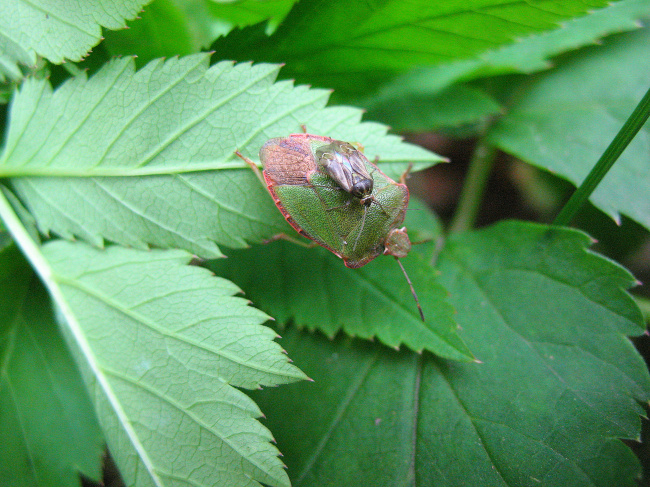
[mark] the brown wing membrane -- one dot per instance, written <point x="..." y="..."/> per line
<point x="287" y="161"/>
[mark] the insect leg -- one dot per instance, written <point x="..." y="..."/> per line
<point x="403" y="177"/>
<point x="284" y="236"/>
<point x="253" y="166"/>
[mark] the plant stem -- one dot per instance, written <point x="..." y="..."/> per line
<point x="33" y="253"/>
<point x="474" y="186"/>
<point x="22" y="238"/>
<point x="606" y="161"/>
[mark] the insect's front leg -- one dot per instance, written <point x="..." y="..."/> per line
<point x="253" y="166"/>
<point x="284" y="236"/>
<point x="404" y="177"/>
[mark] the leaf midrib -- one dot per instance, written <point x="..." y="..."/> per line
<point x="197" y="420"/>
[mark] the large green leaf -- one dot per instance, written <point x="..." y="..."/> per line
<point x="59" y="30"/>
<point x="312" y="288"/>
<point x="148" y="157"/>
<point x="48" y="431"/>
<point x="356" y="44"/>
<point x="565" y="120"/>
<point x="558" y="383"/>
<point x="161" y="345"/>
<point x="427" y="98"/>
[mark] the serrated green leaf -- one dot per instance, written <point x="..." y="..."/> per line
<point x="161" y="345"/>
<point x="10" y="58"/>
<point x="48" y="430"/>
<point x="360" y="43"/>
<point x="315" y="290"/>
<point x="59" y="30"/>
<point x="312" y="288"/>
<point x="433" y="97"/>
<point x="530" y="54"/>
<point x="566" y="119"/>
<point x="558" y="385"/>
<point x="148" y="157"/>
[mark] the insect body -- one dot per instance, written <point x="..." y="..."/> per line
<point x="325" y="188"/>
<point x="319" y="207"/>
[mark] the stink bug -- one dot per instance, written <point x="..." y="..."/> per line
<point x="325" y="188"/>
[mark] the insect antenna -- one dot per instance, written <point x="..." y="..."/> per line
<point x="415" y="296"/>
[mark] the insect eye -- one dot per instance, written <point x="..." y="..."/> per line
<point x="362" y="188"/>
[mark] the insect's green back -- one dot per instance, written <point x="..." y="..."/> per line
<point x="335" y="219"/>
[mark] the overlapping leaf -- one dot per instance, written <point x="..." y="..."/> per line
<point x="409" y="106"/>
<point x="161" y="30"/>
<point x="161" y="345"/>
<point x="360" y="43"/>
<point x="566" y="119"/>
<point x="424" y="98"/>
<point x="148" y="157"/>
<point x="558" y="383"/>
<point x="48" y="431"/>
<point x="249" y="12"/>
<point x="58" y="30"/>
<point x="313" y="289"/>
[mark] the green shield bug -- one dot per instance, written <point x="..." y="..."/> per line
<point x="325" y="188"/>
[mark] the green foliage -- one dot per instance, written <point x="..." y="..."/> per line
<point x="40" y="390"/>
<point x="522" y="373"/>
<point x="544" y="406"/>
<point x="526" y="55"/>
<point x="161" y="31"/>
<point x="353" y="46"/>
<point x="178" y="342"/>
<point x="356" y="44"/>
<point x="71" y="28"/>
<point x="579" y="112"/>
<point x="177" y="131"/>
<point x="374" y="301"/>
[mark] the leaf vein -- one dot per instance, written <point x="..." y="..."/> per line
<point x="337" y="417"/>
<point x="153" y="326"/>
